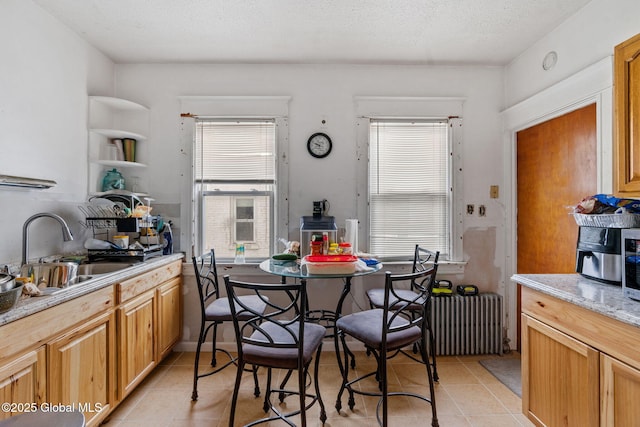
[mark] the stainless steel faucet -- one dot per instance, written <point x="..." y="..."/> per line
<point x="66" y="233"/>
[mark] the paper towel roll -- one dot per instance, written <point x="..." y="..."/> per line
<point x="351" y="233"/>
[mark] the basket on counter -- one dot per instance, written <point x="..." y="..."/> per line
<point x="622" y="220"/>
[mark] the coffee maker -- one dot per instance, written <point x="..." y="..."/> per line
<point x="320" y="208"/>
<point x="598" y="254"/>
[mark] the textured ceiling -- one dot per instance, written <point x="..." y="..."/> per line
<point x="491" y="32"/>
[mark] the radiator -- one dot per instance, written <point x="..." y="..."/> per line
<point x="465" y="325"/>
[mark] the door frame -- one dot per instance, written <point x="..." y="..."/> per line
<point x="594" y="84"/>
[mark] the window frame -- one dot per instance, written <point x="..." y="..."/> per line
<point x="412" y="108"/>
<point x="232" y="108"/>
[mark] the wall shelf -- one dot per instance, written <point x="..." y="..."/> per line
<point x="25" y="182"/>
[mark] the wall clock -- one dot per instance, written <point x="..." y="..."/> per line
<point x="319" y="145"/>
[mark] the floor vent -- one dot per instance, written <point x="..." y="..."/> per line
<point x="466" y="325"/>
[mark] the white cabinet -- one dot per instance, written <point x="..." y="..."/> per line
<point x="114" y="118"/>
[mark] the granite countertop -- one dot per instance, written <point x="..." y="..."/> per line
<point x="599" y="297"/>
<point x="30" y="305"/>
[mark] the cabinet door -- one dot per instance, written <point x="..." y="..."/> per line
<point x="627" y="116"/>
<point x="22" y="381"/>
<point x="137" y="355"/>
<point x="620" y="393"/>
<point x="560" y="377"/>
<point x="81" y="368"/>
<point x="169" y="315"/>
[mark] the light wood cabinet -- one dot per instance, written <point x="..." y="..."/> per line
<point x="22" y="381"/>
<point x="578" y="367"/>
<point x="81" y="368"/>
<point x="560" y="381"/>
<point x="137" y="355"/>
<point x="93" y="350"/>
<point x="627" y="117"/>
<point x="620" y="393"/>
<point x="169" y="316"/>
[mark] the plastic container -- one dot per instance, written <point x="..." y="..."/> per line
<point x="330" y="264"/>
<point x="239" y="259"/>
<point x="345" y="248"/>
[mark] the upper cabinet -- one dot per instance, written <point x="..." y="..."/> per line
<point x="113" y="124"/>
<point x="627" y="117"/>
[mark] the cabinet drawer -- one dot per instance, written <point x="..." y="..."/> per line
<point x="33" y="331"/>
<point x="142" y="283"/>
<point x="610" y="336"/>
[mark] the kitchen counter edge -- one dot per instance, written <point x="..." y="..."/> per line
<point x="31" y="305"/>
<point x="599" y="297"/>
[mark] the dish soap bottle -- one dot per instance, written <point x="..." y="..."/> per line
<point x="113" y="180"/>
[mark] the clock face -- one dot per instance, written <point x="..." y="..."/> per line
<point x="319" y="145"/>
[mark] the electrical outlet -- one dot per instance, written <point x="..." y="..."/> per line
<point x="494" y="191"/>
<point x="482" y="210"/>
<point x="470" y="209"/>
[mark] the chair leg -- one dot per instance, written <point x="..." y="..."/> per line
<point x="430" y="377"/>
<point x="323" y="413"/>
<point x="385" y="391"/>
<point x="302" y="375"/>
<point x="194" y="393"/>
<point x="266" y="406"/>
<point x="213" y="345"/>
<point x="236" y="389"/>
<point x="256" y="388"/>
<point x="432" y="349"/>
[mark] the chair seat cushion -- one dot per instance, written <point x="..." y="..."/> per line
<point x="283" y="358"/>
<point x="376" y="298"/>
<point x="220" y="310"/>
<point x="366" y="326"/>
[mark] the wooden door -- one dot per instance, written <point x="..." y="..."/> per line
<point x="627" y="117"/>
<point x="169" y="315"/>
<point x="137" y="354"/>
<point x="81" y="369"/>
<point x="22" y="382"/>
<point x="620" y="393"/>
<point x="561" y="381"/>
<point x="556" y="168"/>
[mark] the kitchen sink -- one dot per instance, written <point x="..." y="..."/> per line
<point x="101" y="268"/>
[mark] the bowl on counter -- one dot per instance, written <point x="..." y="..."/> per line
<point x="9" y="298"/>
<point x="7" y="282"/>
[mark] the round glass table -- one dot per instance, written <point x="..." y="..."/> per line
<point x="325" y="317"/>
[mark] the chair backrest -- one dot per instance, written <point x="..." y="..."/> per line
<point x="280" y="325"/>
<point x="402" y="313"/>
<point x="424" y="258"/>
<point x="206" y="278"/>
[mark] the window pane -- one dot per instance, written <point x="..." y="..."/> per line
<point x="234" y="165"/>
<point x="408" y="187"/>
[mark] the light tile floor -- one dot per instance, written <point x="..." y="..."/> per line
<point x="466" y="395"/>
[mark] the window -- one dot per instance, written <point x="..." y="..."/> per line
<point x="409" y="186"/>
<point x="235" y="185"/>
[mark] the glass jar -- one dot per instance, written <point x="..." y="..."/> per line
<point x="316" y="248"/>
<point x="113" y="180"/>
<point x="345" y="248"/>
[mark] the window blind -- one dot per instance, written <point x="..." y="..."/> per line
<point x="235" y="151"/>
<point x="409" y="181"/>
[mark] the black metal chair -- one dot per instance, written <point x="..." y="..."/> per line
<point x="277" y="339"/>
<point x="385" y="330"/>
<point x="423" y="259"/>
<point x="214" y="311"/>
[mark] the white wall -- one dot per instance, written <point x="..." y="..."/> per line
<point x="582" y="40"/>
<point x="325" y="93"/>
<point x="45" y="74"/>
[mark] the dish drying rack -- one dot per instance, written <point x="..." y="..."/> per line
<point x="106" y="221"/>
